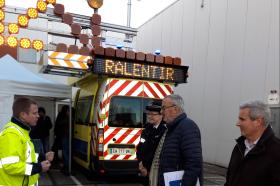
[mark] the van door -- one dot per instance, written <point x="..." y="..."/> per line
<point x="82" y="128"/>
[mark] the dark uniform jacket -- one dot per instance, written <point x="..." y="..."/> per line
<point x="149" y="140"/>
<point x="182" y="151"/>
<point x="260" y="167"/>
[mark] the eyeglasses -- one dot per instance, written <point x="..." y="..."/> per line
<point x="166" y="107"/>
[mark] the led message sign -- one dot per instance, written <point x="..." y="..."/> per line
<point x="152" y="71"/>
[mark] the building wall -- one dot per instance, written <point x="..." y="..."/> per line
<point x="232" y="48"/>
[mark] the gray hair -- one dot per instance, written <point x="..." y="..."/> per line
<point x="258" y="109"/>
<point x="177" y="100"/>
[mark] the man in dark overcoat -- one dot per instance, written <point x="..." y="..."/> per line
<point x="180" y="146"/>
<point x="255" y="160"/>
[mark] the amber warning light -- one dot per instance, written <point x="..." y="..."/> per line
<point x="155" y="71"/>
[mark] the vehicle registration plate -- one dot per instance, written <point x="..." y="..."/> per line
<point x="121" y="151"/>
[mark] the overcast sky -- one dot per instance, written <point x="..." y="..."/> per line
<point x="112" y="11"/>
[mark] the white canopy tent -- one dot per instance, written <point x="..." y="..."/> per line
<point x="16" y="80"/>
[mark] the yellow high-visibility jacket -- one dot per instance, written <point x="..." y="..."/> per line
<point x="17" y="154"/>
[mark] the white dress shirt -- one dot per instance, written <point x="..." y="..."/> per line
<point x="249" y="146"/>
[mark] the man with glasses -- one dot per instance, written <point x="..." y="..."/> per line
<point x="149" y="139"/>
<point x="180" y="146"/>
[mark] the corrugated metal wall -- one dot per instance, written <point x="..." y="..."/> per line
<point x="232" y="48"/>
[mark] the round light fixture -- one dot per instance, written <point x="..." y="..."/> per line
<point x="2" y="40"/>
<point x="41" y="6"/>
<point x="25" y="43"/>
<point x="2" y="27"/>
<point x="95" y="4"/>
<point x="2" y="3"/>
<point x="12" y="41"/>
<point x="13" y="28"/>
<point x="2" y="15"/>
<point x="51" y="2"/>
<point x="37" y="45"/>
<point x="23" y="20"/>
<point x="32" y="13"/>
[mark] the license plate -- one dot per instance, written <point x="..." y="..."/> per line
<point x="121" y="151"/>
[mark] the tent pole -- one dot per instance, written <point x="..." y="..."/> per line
<point x="70" y="137"/>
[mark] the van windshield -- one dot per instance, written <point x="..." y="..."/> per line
<point x="128" y="112"/>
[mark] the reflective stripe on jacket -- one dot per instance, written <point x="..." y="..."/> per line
<point x="17" y="154"/>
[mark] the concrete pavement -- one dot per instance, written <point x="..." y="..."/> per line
<point x="213" y="176"/>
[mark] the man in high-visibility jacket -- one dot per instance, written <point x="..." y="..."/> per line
<point x="19" y="164"/>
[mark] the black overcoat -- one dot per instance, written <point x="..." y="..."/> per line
<point x="149" y="140"/>
<point x="260" y="167"/>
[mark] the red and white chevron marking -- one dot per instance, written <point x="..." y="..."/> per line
<point x="122" y="136"/>
<point x="126" y="87"/>
<point x="156" y="90"/>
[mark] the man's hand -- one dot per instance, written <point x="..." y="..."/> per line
<point x="50" y="156"/>
<point x="45" y="165"/>
<point x="142" y="169"/>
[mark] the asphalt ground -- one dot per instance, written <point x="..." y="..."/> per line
<point x="213" y="176"/>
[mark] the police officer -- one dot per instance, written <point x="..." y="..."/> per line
<point x="150" y="138"/>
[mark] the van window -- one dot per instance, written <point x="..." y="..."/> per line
<point x="83" y="110"/>
<point x="128" y="111"/>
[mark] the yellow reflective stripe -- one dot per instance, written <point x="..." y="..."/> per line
<point x="10" y="160"/>
<point x="28" y="169"/>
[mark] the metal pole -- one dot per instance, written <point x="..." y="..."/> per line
<point x="70" y="138"/>
<point x="128" y="13"/>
